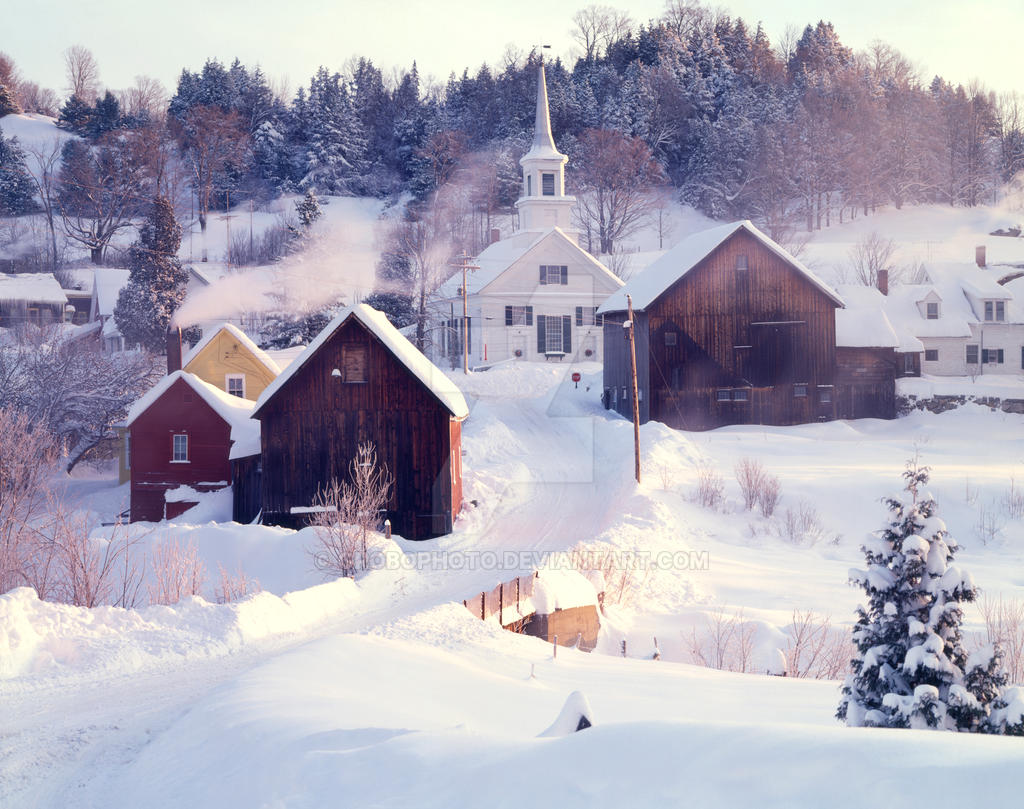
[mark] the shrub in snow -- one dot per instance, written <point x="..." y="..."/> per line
<point x="910" y="668"/>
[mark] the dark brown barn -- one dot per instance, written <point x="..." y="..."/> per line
<point x="180" y="434"/>
<point x="730" y="329"/>
<point x="361" y="380"/>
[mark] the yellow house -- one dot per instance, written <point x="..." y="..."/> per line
<point x="227" y="359"/>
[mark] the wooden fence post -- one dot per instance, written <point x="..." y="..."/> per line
<point x="501" y="603"/>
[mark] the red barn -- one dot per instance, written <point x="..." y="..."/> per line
<point x="360" y="380"/>
<point x="180" y="434"/>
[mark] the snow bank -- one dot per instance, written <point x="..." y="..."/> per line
<point x="43" y="638"/>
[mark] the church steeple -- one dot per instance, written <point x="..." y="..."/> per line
<point x="544" y="204"/>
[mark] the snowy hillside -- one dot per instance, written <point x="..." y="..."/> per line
<point x="372" y="690"/>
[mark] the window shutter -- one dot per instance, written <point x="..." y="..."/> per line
<point x="508" y="315"/>
<point x="529" y="315"/>
<point x="565" y="275"/>
<point x="579" y="315"/>
<point x="543" y="274"/>
<point x="567" y="334"/>
<point x="540" y="334"/>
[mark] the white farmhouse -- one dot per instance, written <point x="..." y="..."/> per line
<point x="535" y="294"/>
<point x="969" y="324"/>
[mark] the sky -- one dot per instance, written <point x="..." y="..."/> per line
<point x="961" y="41"/>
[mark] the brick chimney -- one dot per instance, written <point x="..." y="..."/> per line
<point x="979" y="255"/>
<point x="495" y="235"/>
<point x="173" y="349"/>
<point x="883" y="281"/>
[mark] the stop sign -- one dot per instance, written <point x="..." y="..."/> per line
<point x="576" y="376"/>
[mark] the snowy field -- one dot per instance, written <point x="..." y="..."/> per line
<point x="385" y="692"/>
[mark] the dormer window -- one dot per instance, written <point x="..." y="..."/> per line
<point x="995" y="311"/>
<point x="547" y="184"/>
<point x="932" y="311"/>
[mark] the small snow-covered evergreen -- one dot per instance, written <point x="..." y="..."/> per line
<point x="156" y="283"/>
<point x="911" y="667"/>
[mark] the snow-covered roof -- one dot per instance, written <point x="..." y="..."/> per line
<point x="31" y="287"/>
<point x="970" y="277"/>
<point x="234" y="410"/>
<point x="499" y="256"/>
<point x="236" y="334"/>
<point x="107" y="285"/>
<point x="863" y="323"/>
<point x="903" y="306"/>
<point x="647" y="286"/>
<point x="446" y="391"/>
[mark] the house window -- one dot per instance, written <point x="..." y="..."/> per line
<point x="972" y="355"/>
<point x="740" y="395"/>
<point x="128" y="451"/>
<point x="933" y="311"/>
<point x="908" y="364"/>
<point x="931" y="355"/>
<point x="553" y="335"/>
<point x="518" y="315"/>
<point x="587" y="316"/>
<point x="236" y="385"/>
<point x="353" y="363"/>
<point x="824" y="395"/>
<point x="33" y="314"/>
<point x="547" y="184"/>
<point x="671" y="338"/>
<point x="995" y="310"/>
<point x="179" y="448"/>
<point x="724" y="395"/>
<point x="550" y="274"/>
<point x="992" y="355"/>
<point x="741" y="263"/>
<point x="800" y="391"/>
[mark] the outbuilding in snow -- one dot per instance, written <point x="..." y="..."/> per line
<point x="361" y="381"/>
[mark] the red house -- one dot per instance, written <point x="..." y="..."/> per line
<point x="180" y="434"/>
<point x="360" y="380"/>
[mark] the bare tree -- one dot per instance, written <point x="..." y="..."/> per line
<point x="47" y="167"/>
<point x="211" y="141"/>
<point x="100" y="190"/>
<point x="596" y="27"/>
<point x="347" y="512"/>
<point x="613" y="185"/>
<point x="684" y="17"/>
<point x="870" y="255"/>
<point x="27" y="456"/>
<point x="145" y="99"/>
<point x="68" y="389"/>
<point x="82" y="72"/>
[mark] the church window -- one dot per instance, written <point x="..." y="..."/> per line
<point x="547" y="184"/>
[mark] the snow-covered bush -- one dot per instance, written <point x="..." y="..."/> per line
<point x="751" y="476"/>
<point x="911" y="668"/>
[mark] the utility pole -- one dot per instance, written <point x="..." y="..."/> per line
<point x="463" y="263"/>
<point x="636" y="401"/>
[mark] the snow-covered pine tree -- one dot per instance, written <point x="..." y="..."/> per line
<point x="156" y="281"/>
<point x="17" y="191"/>
<point x="911" y="668"/>
<point x="308" y="209"/>
<point x="8" y="104"/>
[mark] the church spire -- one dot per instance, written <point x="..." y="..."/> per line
<point x="542" y="139"/>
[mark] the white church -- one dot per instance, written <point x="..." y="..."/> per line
<point x="535" y="294"/>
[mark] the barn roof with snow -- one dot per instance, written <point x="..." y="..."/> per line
<point x="435" y="380"/>
<point x="32" y="287"/>
<point x="234" y="410"/>
<point x="653" y="282"/>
